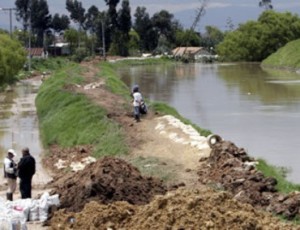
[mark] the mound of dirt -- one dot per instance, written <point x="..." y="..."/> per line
<point x="105" y="181"/>
<point x="230" y="168"/>
<point x="183" y="209"/>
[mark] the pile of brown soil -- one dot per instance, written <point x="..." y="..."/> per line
<point x="230" y="168"/>
<point x="107" y="180"/>
<point x="197" y="209"/>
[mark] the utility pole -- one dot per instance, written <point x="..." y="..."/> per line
<point x="29" y="42"/>
<point x="10" y="18"/>
<point x="103" y="40"/>
<point x="199" y="13"/>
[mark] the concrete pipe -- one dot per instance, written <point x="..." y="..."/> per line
<point x="213" y="139"/>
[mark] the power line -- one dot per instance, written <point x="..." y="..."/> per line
<point x="10" y="18"/>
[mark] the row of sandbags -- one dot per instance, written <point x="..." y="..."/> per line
<point x="15" y="214"/>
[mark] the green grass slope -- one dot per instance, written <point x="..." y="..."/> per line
<point x="287" y="57"/>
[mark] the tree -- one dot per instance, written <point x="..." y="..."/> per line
<point x="38" y="12"/>
<point x="77" y="12"/>
<point x="23" y="12"/>
<point x="91" y="19"/>
<point x="91" y="22"/>
<point x="162" y="23"/>
<point x="124" y="18"/>
<point x="187" y="38"/>
<point x="134" y="42"/>
<point x="124" y="26"/>
<point x="40" y="19"/>
<point x="280" y="29"/>
<point x="60" y="23"/>
<point x="143" y="26"/>
<point x="212" y="37"/>
<point x="71" y="36"/>
<point x="12" y="58"/>
<point x="256" y="40"/>
<point x="267" y="4"/>
<point x="112" y="12"/>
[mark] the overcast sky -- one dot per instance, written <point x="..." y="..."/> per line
<point x="217" y="11"/>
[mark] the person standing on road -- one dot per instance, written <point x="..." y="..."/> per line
<point x="10" y="173"/>
<point x="137" y="100"/>
<point x="26" y="170"/>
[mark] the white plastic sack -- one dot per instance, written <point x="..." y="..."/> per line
<point x="5" y="224"/>
<point x="34" y="211"/>
<point x="43" y="206"/>
<point x="53" y="200"/>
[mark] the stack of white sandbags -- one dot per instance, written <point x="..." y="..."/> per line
<point x="15" y="214"/>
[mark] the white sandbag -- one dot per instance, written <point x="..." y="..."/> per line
<point x="34" y="211"/>
<point x="43" y="206"/>
<point x="5" y="224"/>
<point x="21" y="206"/>
<point x="53" y="200"/>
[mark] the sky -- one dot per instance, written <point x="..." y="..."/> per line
<point x="217" y="11"/>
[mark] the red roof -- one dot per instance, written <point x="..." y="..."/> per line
<point x="37" y="52"/>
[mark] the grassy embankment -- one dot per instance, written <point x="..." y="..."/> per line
<point x="68" y="118"/>
<point x="286" y="58"/>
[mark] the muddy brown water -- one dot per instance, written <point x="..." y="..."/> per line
<point x="256" y="109"/>
<point x="19" y="125"/>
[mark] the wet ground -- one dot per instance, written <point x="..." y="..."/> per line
<point x="19" y="127"/>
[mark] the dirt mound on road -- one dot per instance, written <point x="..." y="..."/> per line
<point x="230" y="168"/>
<point x="183" y="209"/>
<point x="107" y="180"/>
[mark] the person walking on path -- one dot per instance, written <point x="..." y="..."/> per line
<point x="137" y="100"/>
<point x="26" y="170"/>
<point x="10" y="169"/>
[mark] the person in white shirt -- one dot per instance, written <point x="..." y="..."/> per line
<point x="137" y="100"/>
<point x="10" y="169"/>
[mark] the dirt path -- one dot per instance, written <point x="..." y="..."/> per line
<point x="176" y="147"/>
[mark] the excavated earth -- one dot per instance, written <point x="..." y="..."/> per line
<point x="220" y="187"/>
<point x="182" y="209"/>
<point x="105" y="181"/>
<point x="230" y="168"/>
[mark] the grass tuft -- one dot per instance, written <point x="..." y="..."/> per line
<point x="279" y="173"/>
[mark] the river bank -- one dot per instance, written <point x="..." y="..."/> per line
<point x="161" y="152"/>
<point x="155" y="152"/>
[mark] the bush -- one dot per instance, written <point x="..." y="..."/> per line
<point x="12" y="59"/>
<point x="80" y="54"/>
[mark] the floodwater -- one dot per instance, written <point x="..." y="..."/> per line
<point x="256" y="109"/>
<point x="19" y="124"/>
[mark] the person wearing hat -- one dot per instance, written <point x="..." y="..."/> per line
<point x="137" y="100"/>
<point x="26" y="170"/>
<point x="10" y="169"/>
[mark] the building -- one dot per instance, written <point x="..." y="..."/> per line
<point x="59" y="49"/>
<point x="193" y="53"/>
<point x="37" y="52"/>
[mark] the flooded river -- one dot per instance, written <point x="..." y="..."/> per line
<point x="255" y="109"/>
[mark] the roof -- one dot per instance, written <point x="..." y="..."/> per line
<point x="179" y="51"/>
<point x="35" y="51"/>
<point x="60" y="44"/>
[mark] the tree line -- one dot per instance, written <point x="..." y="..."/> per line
<point x="123" y="35"/>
